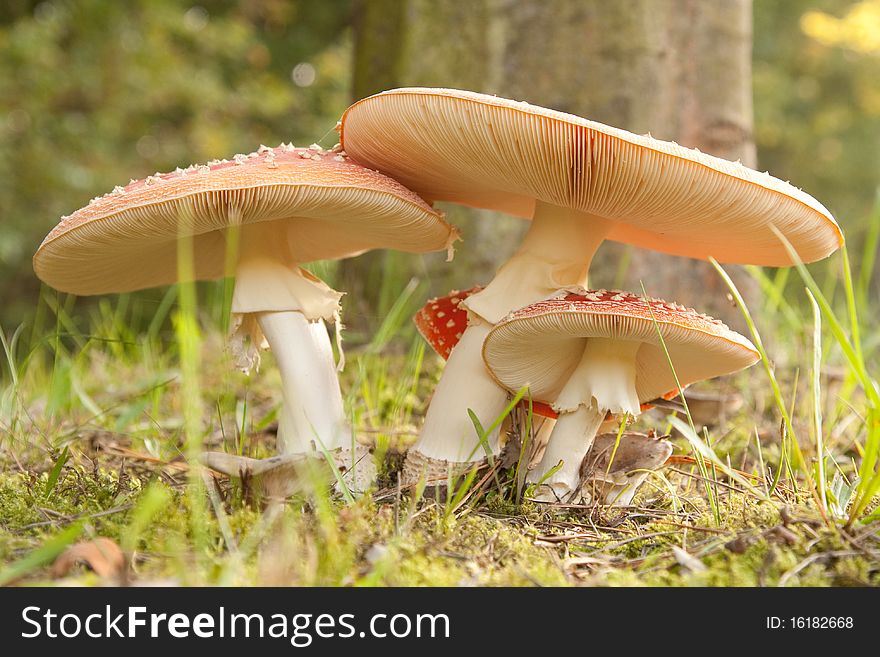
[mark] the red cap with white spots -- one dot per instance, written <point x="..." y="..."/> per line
<point x="542" y="344"/>
<point x="443" y="320"/>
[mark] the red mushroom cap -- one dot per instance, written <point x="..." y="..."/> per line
<point x="442" y="320"/>
<point x="557" y="329"/>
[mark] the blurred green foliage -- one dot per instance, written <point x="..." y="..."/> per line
<point x="95" y="92"/>
<point x="817" y="103"/>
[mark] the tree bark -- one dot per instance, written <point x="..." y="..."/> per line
<point x="378" y="63"/>
<point x="706" y="103"/>
<point x="680" y="69"/>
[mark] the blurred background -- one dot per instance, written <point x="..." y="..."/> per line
<point x="94" y="93"/>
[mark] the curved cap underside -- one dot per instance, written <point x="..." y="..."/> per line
<point x="315" y="205"/>
<point x="490" y="152"/>
<point x="541" y="345"/>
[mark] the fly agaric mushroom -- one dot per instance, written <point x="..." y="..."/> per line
<point x="265" y="213"/>
<point x="580" y="182"/>
<point x="591" y="352"/>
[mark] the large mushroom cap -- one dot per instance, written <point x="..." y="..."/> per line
<point x="495" y="153"/>
<point x="541" y="345"/>
<point x="324" y="206"/>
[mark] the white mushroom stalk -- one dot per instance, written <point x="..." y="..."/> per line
<point x="449" y="438"/>
<point x="312" y="418"/>
<point x="555" y="254"/>
<point x="286" y="306"/>
<point x="603" y="382"/>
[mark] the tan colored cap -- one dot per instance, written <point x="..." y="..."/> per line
<point x="323" y="204"/>
<point x="495" y="153"/>
<point x="541" y="345"/>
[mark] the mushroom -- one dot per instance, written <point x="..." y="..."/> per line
<point x="257" y="217"/>
<point x="591" y="352"/>
<point x="613" y="470"/>
<point x="580" y="182"/>
<point x="443" y="320"/>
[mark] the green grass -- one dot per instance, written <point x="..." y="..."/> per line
<point x="105" y="404"/>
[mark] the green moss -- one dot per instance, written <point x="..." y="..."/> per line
<point x="474" y="550"/>
<point x="316" y="540"/>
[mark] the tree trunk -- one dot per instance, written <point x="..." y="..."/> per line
<point x="680" y="69"/>
<point x="378" y="62"/>
<point x="706" y="103"/>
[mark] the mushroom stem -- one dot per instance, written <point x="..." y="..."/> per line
<point x="604" y="380"/>
<point x="555" y="253"/>
<point x="605" y="375"/>
<point x="286" y="307"/>
<point x="569" y="443"/>
<point x="448" y="436"/>
<point x="312" y="418"/>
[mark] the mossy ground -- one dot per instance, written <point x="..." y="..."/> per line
<point x="124" y="477"/>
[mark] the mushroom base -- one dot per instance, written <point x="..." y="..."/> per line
<point x="434" y="472"/>
<point x="448" y="434"/>
<point x="569" y="443"/>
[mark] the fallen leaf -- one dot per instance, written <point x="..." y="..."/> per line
<point x="101" y="555"/>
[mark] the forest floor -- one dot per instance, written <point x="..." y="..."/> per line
<point x="93" y="444"/>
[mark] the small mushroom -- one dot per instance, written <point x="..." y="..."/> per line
<point x="612" y="471"/>
<point x="442" y="321"/>
<point x="276" y="477"/>
<point x="591" y="352"/>
<point x="256" y="217"/>
<point x="580" y="182"/>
